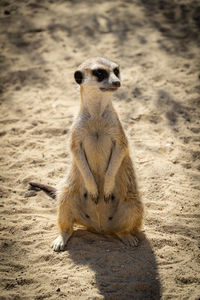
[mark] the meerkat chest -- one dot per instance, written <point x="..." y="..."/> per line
<point x="98" y="133"/>
<point x="97" y="137"/>
<point x="97" y="143"/>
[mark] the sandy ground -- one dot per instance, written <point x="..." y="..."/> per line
<point x="157" y="45"/>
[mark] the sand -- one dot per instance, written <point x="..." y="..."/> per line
<point x="157" y="45"/>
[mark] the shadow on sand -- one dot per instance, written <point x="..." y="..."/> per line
<point x="120" y="272"/>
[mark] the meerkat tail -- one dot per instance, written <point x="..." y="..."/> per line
<point x="49" y="190"/>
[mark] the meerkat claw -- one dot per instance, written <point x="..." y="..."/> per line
<point x="95" y="199"/>
<point x="107" y="198"/>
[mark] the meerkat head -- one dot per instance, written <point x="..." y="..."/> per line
<point x="98" y="74"/>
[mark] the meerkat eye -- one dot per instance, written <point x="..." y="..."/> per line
<point x="101" y="74"/>
<point x="116" y="71"/>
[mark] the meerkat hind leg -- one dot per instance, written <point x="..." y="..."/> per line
<point x="64" y="222"/>
<point x="128" y="239"/>
<point x="61" y="241"/>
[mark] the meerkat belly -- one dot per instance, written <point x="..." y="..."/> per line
<point x="105" y="217"/>
<point x="97" y="147"/>
<point x="114" y="216"/>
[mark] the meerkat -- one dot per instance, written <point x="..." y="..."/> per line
<point x="100" y="190"/>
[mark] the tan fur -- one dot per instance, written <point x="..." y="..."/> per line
<point x="100" y="190"/>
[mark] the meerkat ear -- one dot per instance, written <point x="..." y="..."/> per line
<point x="78" y="76"/>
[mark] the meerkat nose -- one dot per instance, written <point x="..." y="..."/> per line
<point x="116" y="83"/>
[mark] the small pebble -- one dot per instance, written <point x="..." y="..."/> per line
<point x="2" y="133"/>
<point x="34" y="123"/>
<point x="58" y="290"/>
<point x="174" y="161"/>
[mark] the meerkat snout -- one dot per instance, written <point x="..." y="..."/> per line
<point x="116" y="83"/>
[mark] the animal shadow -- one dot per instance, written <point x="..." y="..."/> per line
<point x="121" y="272"/>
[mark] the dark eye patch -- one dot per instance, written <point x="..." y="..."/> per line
<point x="101" y="74"/>
<point x="116" y="71"/>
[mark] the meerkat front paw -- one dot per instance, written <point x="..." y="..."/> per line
<point x="108" y="189"/>
<point x="95" y="199"/>
<point x="93" y="192"/>
<point x="109" y="197"/>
